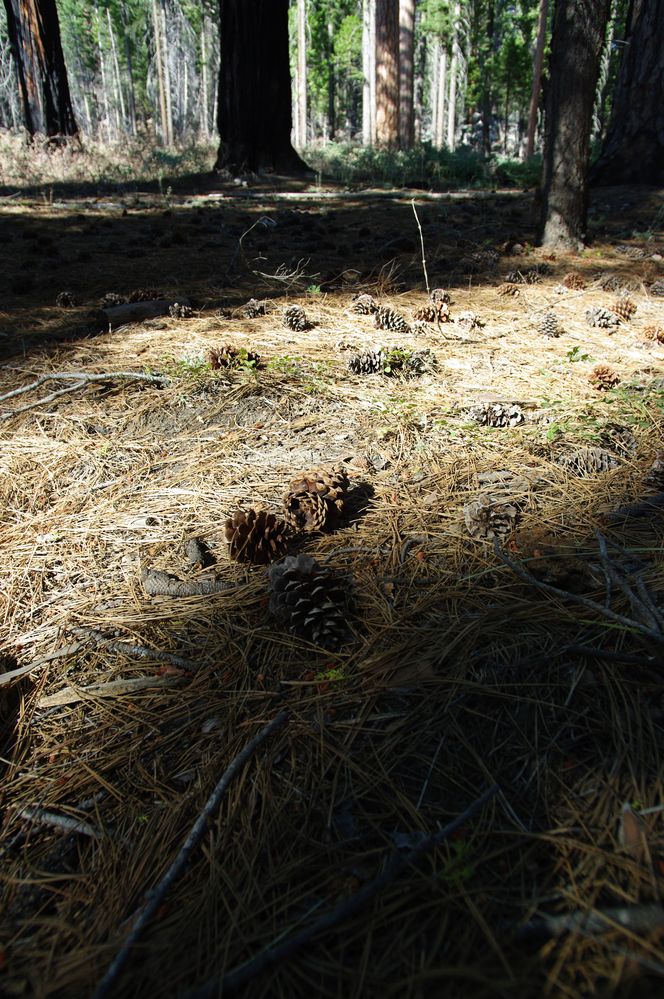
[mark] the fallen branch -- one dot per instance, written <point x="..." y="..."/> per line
<point x="164" y="584"/>
<point x="16" y="674"/>
<point x="80" y="379"/>
<point x="653" y="634"/>
<point x="636" y="918"/>
<point x="133" y="312"/>
<point x="62" y="822"/>
<point x="157" y="895"/>
<point x="114" y="688"/>
<point x="276" y="953"/>
<point x="126" y="648"/>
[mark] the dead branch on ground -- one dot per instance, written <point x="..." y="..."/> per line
<point x="80" y="379"/>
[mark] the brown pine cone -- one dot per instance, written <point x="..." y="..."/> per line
<point x="602" y="377"/>
<point x="315" y="499"/>
<point x="654" y="332"/>
<point x="574" y="281"/>
<point x="256" y="537"/>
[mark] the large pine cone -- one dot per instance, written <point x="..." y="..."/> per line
<point x="602" y="377"/>
<point x="497" y="415"/>
<point x="369" y="362"/>
<point x="295" y="318"/>
<point x="387" y="319"/>
<point x="364" y="304"/>
<point x="310" y="601"/>
<point x="490" y="517"/>
<point x="257" y="537"/>
<point x="603" y="318"/>
<point x="315" y="499"/>
<point x="584" y="461"/>
<point x="624" y="307"/>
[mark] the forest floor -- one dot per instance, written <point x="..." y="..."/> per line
<point x="535" y="665"/>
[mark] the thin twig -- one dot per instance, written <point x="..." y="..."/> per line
<point x="276" y="953"/>
<point x="114" y="688"/>
<point x="63" y="822"/>
<point x="627" y="622"/>
<point x="424" y="263"/>
<point x="157" y="895"/>
<point x="16" y="674"/>
<point x="80" y="379"/>
<point x="126" y="648"/>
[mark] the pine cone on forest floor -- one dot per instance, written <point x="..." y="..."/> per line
<point x="364" y="305"/>
<point x="497" y="415"/>
<point x="624" y="308"/>
<point x="654" y="333"/>
<point x="315" y="499"/>
<point x="507" y="288"/>
<point x="111" y="299"/>
<point x="574" y="281"/>
<point x="66" y="300"/>
<point x="602" y="377"/>
<point x="295" y="318"/>
<point x="584" y="461"/>
<point x="655" y="475"/>
<point x="434" y="312"/>
<point x="657" y="289"/>
<point x="369" y="362"/>
<point x="387" y="319"/>
<point x="256" y="537"/>
<point x="228" y="356"/>
<point x="549" y="325"/>
<point x="440" y="297"/>
<point x="253" y="308"/>
<point x="603" y="318"/>
<point x="311" y="601"/>
<point x="145" y="295"/>
<point x="177" y="311"/>
<point x="490" y="517"/>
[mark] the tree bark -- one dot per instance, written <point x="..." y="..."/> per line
<point x="633" y="152"/>
<point x="537" y="78"/>
<point x="451" y="107"/>
<point x="576" y="46"/>
<point x="34" y="35"/>
<point x="369" y="72"/>
<point x="254" y="106"/>
<point x="387" y="73"/>
<point x="301" y="77"/>
<point x="406" y="72"/>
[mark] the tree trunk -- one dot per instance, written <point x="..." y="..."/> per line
<point x="537" y="78"/>
<point x="167" y="75"/>
<point x="301" y="77"/>
<point x="205" y="131"/>
<point x="34" y="35"/>
<point x="451" y="108"/>
<point x="576" y="46"/>
<point x="369" y="72"/>
<point x="120" y="105"/>
<point x="254" y="107"/>
<point x="406" y="72"/>
<point x="387" y="73"/>
<point x="633" y="152"/>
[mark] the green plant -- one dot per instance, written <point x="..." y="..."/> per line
<point x="458" y="868"/>
<point x="576" y="354"/>
<point x="286" y="365"/>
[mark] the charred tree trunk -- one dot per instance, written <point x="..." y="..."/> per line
<point x="576" y="47"/>
<point x="254" y="108"/>
<point x="387" y="72"/>
<point x="34" y="35"/>
<point x="633" y="152"/>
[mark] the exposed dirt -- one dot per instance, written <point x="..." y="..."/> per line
<point x="462" y="670"/>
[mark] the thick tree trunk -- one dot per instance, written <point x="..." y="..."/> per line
<point x="387" y="72"/>
<point x="537" y="77"/>
<point x="576" y="46"/>
<point x="34" y="35"/>
<point x="634" y="149"/>
<point x="254" y="109"/>
<point x="406" y="72"/>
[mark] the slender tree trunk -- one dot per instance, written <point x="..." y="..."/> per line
<point x="254" y="108"/>
<point x="486" y="49"/>
<point x="387" y="72"/>
<point x="537" y="77"/>
<point x="451" y="108"/>
<point x="34" y="36"/>
<point x="369" y="72"/>
<point x="205" y="99"/>
<point x="406" y="71"/>
<point x="633" y="152"/>
<point x="576" y="46"/>
<point x="441" y="93"/>
<point x="301" y="77"/>
<point x="163" y="114"/>
<point x="331" y="86"/>
<point x="167" y="75"/>
<point x="131" y="94"/>
<point x="104" y="84"/>
<point x="122" y="119"/>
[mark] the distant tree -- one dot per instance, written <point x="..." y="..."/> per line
<point x="254" y="104"/>
<point x="406" y="72"/>
<point x="387" y="72"/>
<point x="537" y="77"/>
<point x="633" y="151"/>
<point x="34" y="35"/>
<point x="576" y="46"/>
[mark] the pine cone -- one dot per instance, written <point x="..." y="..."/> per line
<point x="602" y="377"/>
<point x="111" y="299"/>
<point x="632" y="252"/>
<point x="657" y="289"/>
<point x="177" y="311"/>
<point x="310" y="601"/>
<point x="489" y="517"/>
<point x="253" y="308"/>
<point x="419" y="362"/>
<point x="387" y="319"/>
<point x="507" y="288"/>
<point x="583" y="461"/>
<point x="574" y="281"/>
<point x="256" y="537"/>
<point x="440" y="296"/>
<point x="365" y="305"/>
<point x="295" y="318"/>
<point x="654" y="332"/>
<point x="469" y="321"/>
<point x="624" y="307"/>
<point x="497" y="415"/>
<point x="530" y="275"/>
<point x="315" y="499"/>
<point x="66" y="300"/>
<point x="434" y="312"/>
<point x="144" y="295"/>
<point x="228" y="356"/>
<point x="655" y="476"/>
<point x="602" y="317"/>
<point x="608" y="282"/>
<point x="369" y="362"/>
<point x="549" y="325"/>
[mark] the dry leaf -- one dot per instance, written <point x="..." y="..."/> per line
<point x="632" y="833"/>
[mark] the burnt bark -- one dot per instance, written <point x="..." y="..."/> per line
<point x="633" y="151"/>
<point x="579" y="27"/>
<point x="254" y="103"/>
<point x="34" y="36"/>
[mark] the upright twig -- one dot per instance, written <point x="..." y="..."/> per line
<point x="157" y="895"/>
<point x="424" y="263"/>
<point x="278" y="952"/>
